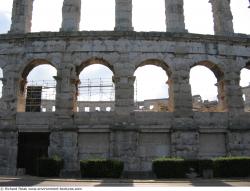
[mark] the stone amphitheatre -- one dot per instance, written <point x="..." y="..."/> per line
<point x="135" y="137"/>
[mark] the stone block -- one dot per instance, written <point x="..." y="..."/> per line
<point x="212" y="145"/>
<point x="94" y="145"/>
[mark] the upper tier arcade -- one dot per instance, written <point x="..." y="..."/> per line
<point x="174" y="11"/>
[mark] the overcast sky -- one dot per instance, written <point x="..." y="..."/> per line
<point x="148" y="15"/>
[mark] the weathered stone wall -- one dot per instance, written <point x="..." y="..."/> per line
<point x="212" y="144"/>
<point x="134" y="137"/>
<point x="8" y="151"/>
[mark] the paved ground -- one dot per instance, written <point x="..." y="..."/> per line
<point x="35" y="181"/>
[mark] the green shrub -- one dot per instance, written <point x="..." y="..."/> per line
<point x="232" y="167"/>
<point x="178" y="168"/>
<point x="169" y="168"/>
<point x="222" y="167"/>
<point x="49" y="167"/>
<point x="101" y="168"/>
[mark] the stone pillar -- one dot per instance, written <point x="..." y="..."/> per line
<point x="71" y="15"/>
<point x="238" y="132"/>
<point x="11" y="92"/>
<point x="185" y="143"/>
<point x="232" y="90"/>
<point x="66" y="89"/>
<point x="124" y="98"/>
<point x="8" y="151"/>
<point x="185" y="135"/>
<point x="233" y="97"/>
<point x="64" y="135"/>
<point x="123" y="15"/>
<point x="124" y="146"/>
<point x="21" y="16"/>
<point x="223" y="18"/>
<point x="222" y="106"/>
<point x="238" y="140"/>
<point x="8" y="130"/>
<point x="180" y="93"/>
<point x="63" y="143"/>
<point x="175" y="16"/>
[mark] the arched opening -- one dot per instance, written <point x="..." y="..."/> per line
<point x="149" y="15"/>
<point x="44" y="11"/>
<point x="5" y="15"/>
<point x="38" y="87"/>
<point x="245" y="86"/>
<point x="1" y="83"/>
<point x="207" y="86"/>
<point x="96" y="90"/>
<point x="97" y="15"/>
<point x="198" y="16"/>
<point x="151" y="87"/>
<point x="240" y="13"/>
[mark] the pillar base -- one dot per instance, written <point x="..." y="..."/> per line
<point x="124" y="29"/>
<point x="138" y="175"/>
<point x="70" y="174"/>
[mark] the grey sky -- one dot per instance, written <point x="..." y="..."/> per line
<point x="4" y="23"/>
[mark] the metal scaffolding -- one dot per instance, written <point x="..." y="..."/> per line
<point x="96" y="89"/>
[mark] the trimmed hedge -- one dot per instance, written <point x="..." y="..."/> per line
<point x="222" y="167"/>
<point x="232" y="167"/>
<point x="176" y="167"/>
<point x="168" y="168"/>
<point x="49" y="167"/>
<point x="101" y="168"/>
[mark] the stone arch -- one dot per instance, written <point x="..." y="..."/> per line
<point x="219" y="75"/>
<point x="25" y="71"/>
<point x="155" y="62"/>
<point x="94" y="60"/>
<point x="96" y="91"/>
<point x="155" y="104"/>
<point x="216" y="69"/>
<point x="32" y="64"/>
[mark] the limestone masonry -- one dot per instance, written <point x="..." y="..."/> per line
<point x="123" y="133"/>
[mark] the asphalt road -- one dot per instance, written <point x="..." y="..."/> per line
<point x="36" y="181"/>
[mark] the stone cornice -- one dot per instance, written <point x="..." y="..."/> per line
<point x="241" y="39"/>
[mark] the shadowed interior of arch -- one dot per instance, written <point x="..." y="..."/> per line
<point x="40" y="88"/>
<point x="96" y="91"/>
<point x="151" y="88"/>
